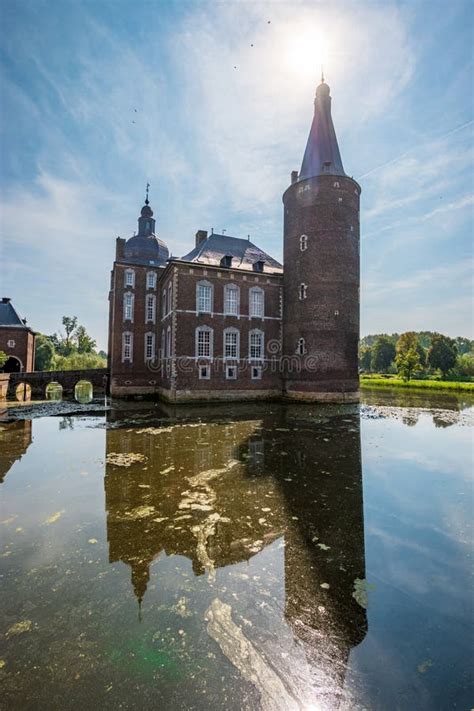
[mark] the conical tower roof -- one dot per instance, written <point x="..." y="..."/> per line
<point x="322" y="152"/>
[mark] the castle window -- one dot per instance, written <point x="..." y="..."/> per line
<point x="11" y="343"/>
<point x="163" y="343"/>
<point x="163" y="310"/>
<point x="339" y="199"/>
<point x="307" y="187"/>
<point x="256" y="372"/>
<point x="256" y="302"/>
<point x="168" y="343"/>
<point x="226" y="260"/>
<point x="128" y="299"/>
<point x="204" y="297"/>
<point x="150" y="280"/>
<point x="204" y="372"/>
<point x="127" y="346"/>
<point x="170" y="302"/>
<point x="231" y="343"/>
<point x="256" y="345"/>
<point x="231" y="372"/>
<point x="336" y="185"/>
<point x="304" y="243"/>
<point x="258" y="265"/>
<point x="302" y="291"/>
<point x="150" y="308"/>
<point x="301" y="347"/>
<point x="129" y="277"/>
<point x="204" y="339"/>
<point x="149" y="346"/>
<point x="231" y="299"/>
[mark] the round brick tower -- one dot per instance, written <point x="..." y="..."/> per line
<point x="321" y="274"/>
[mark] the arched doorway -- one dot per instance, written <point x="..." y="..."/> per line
<point x="13" y="365"/>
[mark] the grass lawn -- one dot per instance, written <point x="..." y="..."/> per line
<point x="380" y="381"/>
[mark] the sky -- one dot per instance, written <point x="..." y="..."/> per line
<point x="211" y="103"/>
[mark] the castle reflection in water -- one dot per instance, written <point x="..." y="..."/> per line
<point x="219" y="486"/>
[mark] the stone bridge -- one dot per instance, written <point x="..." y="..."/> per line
<point x="38" y="381"/>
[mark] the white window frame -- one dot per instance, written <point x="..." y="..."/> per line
<point x="205" y="372"/>
<point x="236" y="332"/>
<point x="170" y="300"/>
<point x="302" y="291"/>
<point x="256" y="372"/>
<point x="231" y="372"/>
<point x="151" y="280"/>
<point x="228" y="290"/>
<point x="150" y="308"/>
<point x="199" y="303"/>
<point x="255" y="332"/>
<point x="11" y="343"/>
<point x="128" y="294"/>
<point x="301" y="346"/>
<point x="149" y="343"/>
<point x="169" y="343"/>
<point x="253" y="291"/>
<point x="204" y="329"/>
<point x="127" y="358"/>
<point x="129" y="278"/>
<point x="304" y="243"/>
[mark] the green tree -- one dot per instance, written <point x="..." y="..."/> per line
<point x="365" y="357"/>
<point x="3" y="358"/>
<point x="464" y="345"/>
<point x="465" y="365"/>
<point x="70" y="324"/>
<point x="44" y="353"/>
<point x="383" y="353"/>
<point x="442" y="354"/>
<point x="407" y="357"/>
<point x="422" y="353"/>
<point x="79" y="361"/>
<point x="85" y="344"/>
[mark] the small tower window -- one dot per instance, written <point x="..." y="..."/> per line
<point x="304" y="243"/>
<point x="151" y="280"/>
<point x="127" y="346"/>
<point x="302" y="291"/>
<point x="301" y="346"/>
<point x="129" y="277"/>
<point x="339" y="199"/>
<point x="149" y="346"/>
<point x="336" y="185"/>
<point x="128" y="306"/>
<point x="150" y="308"/>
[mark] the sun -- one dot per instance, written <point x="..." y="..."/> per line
<point x="307" y="51"/>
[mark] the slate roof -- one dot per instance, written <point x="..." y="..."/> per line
<point x="9" y="315"/>
<point x="322" y="154"/>
<point x="244" y="253"/>
<point x="141" y="249"/>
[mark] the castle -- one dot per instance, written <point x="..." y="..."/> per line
<point x="227" y="321"/>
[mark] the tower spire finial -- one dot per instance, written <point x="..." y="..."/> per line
<point x="322" y="73"/>
<point x="147" y="202"/>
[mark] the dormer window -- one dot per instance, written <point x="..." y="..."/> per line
<point x="258" y="265"/>
<point x="226" y="261"/>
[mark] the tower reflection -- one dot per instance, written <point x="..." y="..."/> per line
<point x="15" y="438"/>
<point x="221" y="489"/>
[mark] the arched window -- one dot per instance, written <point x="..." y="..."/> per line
<point x="256" y="302"/>
<point x="129" y="277"/>
<point x="149" y="346"/>
<point x="170" y="302"/>
<point x="128" y="301"/>
<point x="168" y="343"/>
<point x="256" y="342"/>
<point x="204" y="342"/>
<point x="231" y="299"/>
<point x="302" y="291"/>
<point x="301" y="346"/>
<point x="231" y="347"/>
<point x="150" y="308"/>
<point x="151" y="280"/>
<point x="163" y="309"/>
<point x="336" y="185"/>
<point x="304" y="243"/>
<point x="127" y="346"/>
<point x="204" y="297"/>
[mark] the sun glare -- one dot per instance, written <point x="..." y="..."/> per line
<point x="307" y="51"/>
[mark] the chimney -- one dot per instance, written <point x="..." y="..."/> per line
<point x="120" y="248"/>
<point x="201" y="236"/>
<point x="6" y="300"/>
<point x="294" y="176"/>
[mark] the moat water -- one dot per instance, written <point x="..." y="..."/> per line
<point x="239" y="557"/>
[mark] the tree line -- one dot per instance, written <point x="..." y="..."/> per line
<point x="72" y="349"/>
<point x="421" y="354"/>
